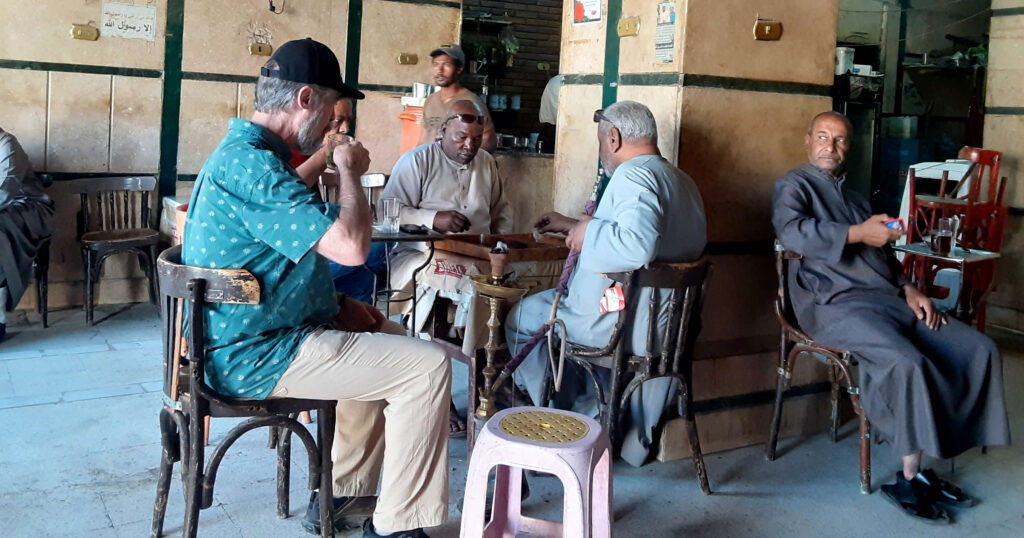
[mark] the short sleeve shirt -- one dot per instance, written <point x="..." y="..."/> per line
<point x="250" y="210"/>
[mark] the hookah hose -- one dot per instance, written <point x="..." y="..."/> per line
<point x="545" y="331"/>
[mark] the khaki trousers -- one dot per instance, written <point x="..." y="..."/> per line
<point x="392" y="420"/>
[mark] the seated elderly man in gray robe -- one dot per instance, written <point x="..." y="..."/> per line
<point x="26" y="221"/>
<point x="450" y="185"/>
<point x="650" y="211"/>
<point x="928" y="384"/>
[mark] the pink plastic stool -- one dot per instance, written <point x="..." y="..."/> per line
<point x="568" y="445"/>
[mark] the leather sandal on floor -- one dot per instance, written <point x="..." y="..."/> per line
<point x="456" y="426"/>
<point x="911" y="497"/>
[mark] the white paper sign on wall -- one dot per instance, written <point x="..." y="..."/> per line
<point x="128" y="21"/>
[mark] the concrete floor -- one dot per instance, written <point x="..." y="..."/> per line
<point x="79" y="451"/>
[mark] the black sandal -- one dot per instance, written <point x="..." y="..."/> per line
<point x="911" y="497"/>
<point x="943" y="492"/>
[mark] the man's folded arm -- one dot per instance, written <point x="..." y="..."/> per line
<point x="347" y="240"/>
<point x="800" y="232"/>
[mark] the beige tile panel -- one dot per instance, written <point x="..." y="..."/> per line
<point x="583" y="45"/>
<point x="1009" y="292"/>
<point x="78" y="124"/>
<point x="636" y="53"/>
<point x="217" y="34"/>
<point x="40" y="31"/>
<point x="746" y="426"/>
<point x="23" y="111"/>
<point x="246" y="97"/>
<point x="379" y="129"/>
<point x="1005" y="85"/>
<point x="575" y="147"/>
<point x="135" y="125"/>
<point x="1006" y="134"/>
<point x="1004" y="4"/>
<point x="391" y="28"/>
<point x="743" y="374"/>
<point x="665" y="103"/>
<point x="528" y="187"/>
<point x="735" y="145"/>
<point x="740" y="295"/>
<point x="719" y="40"/>
<point x="338" y="32"/>
<point x="206" y="108"/>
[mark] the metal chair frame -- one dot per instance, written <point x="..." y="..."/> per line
<point x="188" y="400"/>
<point x="793" y="343"/>
<point x="686" y="286"/>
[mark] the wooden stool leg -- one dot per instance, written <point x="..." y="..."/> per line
<point x="90" y="258"/>
<point x="206" y="431"/>
<point x="42" y="279"/>
<point x="169" y="441"/>
<point x="194" y="476"/>
<point x="865" y="454"/>
<point x="325" y="435"/>
<point x="686" y="399"/>
<point x="284" y="468"/>
<point x="780" y="389"/>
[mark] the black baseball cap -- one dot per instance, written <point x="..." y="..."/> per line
<point x="310" y="62"/>
<point x="451" y="50"/>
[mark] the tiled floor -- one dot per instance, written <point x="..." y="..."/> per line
<point x="79" y="450"/>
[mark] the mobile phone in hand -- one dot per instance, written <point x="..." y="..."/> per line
<point x="896" y="224"/>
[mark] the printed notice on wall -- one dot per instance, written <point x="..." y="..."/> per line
<point x="128" y="21"/>
<point x="665" y="33"/>
<point x="586" y="12"/>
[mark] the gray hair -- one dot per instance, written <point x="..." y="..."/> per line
<point x="274" y="95"/>
<point x="634" y="121"/>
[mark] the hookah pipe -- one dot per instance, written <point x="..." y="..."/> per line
<point x="487" y="393"/>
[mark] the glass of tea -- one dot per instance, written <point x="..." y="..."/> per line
<point x="942" y="237"/>
<point x="334" y="140"/>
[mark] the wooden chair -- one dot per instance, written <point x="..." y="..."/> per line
<point x="795" y="343"/>
<point x="977" y="201"/>
<point x="122" y="224"/>
<point x="686" y="284"/>
<point x="188" y="400"/>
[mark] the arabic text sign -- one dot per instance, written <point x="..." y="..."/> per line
<point x="128" y="21"/>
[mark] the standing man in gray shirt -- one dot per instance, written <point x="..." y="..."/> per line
<point x="26" y="222"/>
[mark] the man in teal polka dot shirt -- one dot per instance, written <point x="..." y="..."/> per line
<point x="250" y="210"/>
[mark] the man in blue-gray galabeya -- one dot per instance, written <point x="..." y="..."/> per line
<point x="651" y="211"/>
<point x="929" y="385"/>
<point x="251" y="210"/>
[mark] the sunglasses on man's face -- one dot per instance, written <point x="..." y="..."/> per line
<point x="467" y="118"/>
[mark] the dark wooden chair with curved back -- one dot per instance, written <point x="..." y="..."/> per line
<point x="185" y="291"/>
<point x="122" y="224"/>
<point x="795" y="343"/>
<point x="686" y="284"/>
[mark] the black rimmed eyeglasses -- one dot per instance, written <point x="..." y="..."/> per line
<point x="467" y="118"/>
